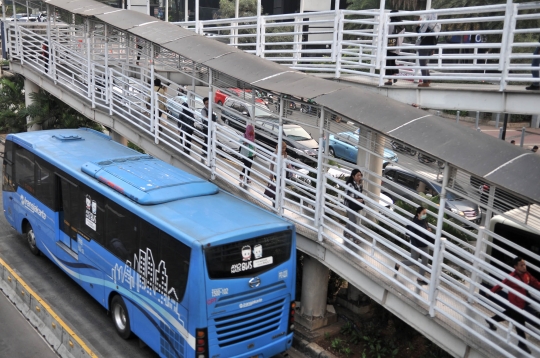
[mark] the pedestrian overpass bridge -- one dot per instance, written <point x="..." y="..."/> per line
<point x="102" y="60"/>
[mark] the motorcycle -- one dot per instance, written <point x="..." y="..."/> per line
<point x="398" y="147"/>
<point x="426" y="159"/>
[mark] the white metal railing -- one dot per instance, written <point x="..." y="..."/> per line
<point x="308" y="187"/>
<point x="492" y="43"/>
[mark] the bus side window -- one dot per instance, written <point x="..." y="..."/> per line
<point x="121" y="231"/>
<point x="71" y="206"/>
<point x="24" y="169"/>
<point x="45" y="184"/>
<point x="8" y="183"/>
<point x="176" y="256"/>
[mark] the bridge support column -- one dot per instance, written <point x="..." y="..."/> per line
<point x="535" y="122"/>
<point x="369" y="144"/>
<point x="118" y="138"/>
<point x="30" y="87"/>
<point x="314" y="312"/>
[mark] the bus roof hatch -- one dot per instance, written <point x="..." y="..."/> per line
<point x="148" y="181"/>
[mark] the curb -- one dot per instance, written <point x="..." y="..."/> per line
<point x="312" y="350"/>
<point x="51" y="327"/>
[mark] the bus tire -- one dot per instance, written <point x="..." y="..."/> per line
<point x="31" y="239"/>
<point x="120" y="317"/>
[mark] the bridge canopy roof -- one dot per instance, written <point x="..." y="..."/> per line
<point x="507" y="166"/>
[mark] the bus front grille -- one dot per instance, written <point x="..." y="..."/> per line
<point x="248" y="324"/>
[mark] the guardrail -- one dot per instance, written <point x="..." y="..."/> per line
<point x="307" y="186"/>
<point x="493" y="43"/>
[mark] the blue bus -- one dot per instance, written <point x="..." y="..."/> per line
<point x="189" y="269"/>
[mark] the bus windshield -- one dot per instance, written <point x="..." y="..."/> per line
<point x="248" y="257"/>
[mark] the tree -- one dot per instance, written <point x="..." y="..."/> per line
<point x="408" y="5"/>
<point x="246" y="8"/>
<point x="12" y="109"/>
<point x="51" y="113"/>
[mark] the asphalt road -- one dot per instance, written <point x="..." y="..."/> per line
<point x="17" y="336"/>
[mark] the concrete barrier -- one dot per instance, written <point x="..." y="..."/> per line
<point x="55" y="331"/>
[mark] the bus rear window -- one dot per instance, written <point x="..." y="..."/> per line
<point x="248" y="257"/>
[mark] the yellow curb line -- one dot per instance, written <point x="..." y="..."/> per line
<point x="49" y="309"/>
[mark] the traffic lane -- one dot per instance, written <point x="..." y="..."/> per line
<point x="17" y="336"/>
<point x="86" y="317"/>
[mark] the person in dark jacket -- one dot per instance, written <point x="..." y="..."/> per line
<point x="426" y="40"/>
<point x="520" y="273"/>
<point x="393" y="29"/>
<point x="420" y="219"/>
<point x="186" y="123"/>
<point x="354" y="202"/>
<point x="206" y="126"/>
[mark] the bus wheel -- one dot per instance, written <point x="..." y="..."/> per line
<point x="120" y="317"/>
<point x="31" y="238"/>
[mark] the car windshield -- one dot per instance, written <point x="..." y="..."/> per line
<point x="451" y="195"/>
<point x="296" y="133"/>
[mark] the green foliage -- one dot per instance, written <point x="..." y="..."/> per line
<point x="246" y="8"/>
<point x="46" y="110"/>
<point x="12" y="109"/>
<point x="51" y="113"/>
<point x="134" y="146"/>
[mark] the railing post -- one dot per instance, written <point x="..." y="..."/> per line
<point x="437" y="252"/>
<point x="479" y="249"/>
<point x="280" y="181"/>
<point x="321" y="180"/>
<point x="335" y="34"/>
<point x="106" y="63"/>
<point x="49" y="42"/>
<point x="109" y="72"/>
<point x="262" y="41"/>
<point x="507" y="40"/>
<point x="89" y="78"/>
<point x="152" y="98"/>
<point x="383" y="42"/>
<point x="211" y="145"/>
<point x="339" y="45"/>
<point x="297" y="40"/>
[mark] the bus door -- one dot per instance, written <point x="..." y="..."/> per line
<point x="68" y="214"/>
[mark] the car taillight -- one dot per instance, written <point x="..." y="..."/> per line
<point x="292" y="312"/>
<point x="201" y="339"/>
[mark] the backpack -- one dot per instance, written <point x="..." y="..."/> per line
<point x="432" y="39"/>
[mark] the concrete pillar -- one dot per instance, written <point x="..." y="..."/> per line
<point x="535" y="121"/>
<point x="118" y="138"/>
<point x="373" y="163"/>
<point x="30" y="87"/>
<point x="314" y="312"/>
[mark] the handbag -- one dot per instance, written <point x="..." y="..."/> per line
<point x="270" y="190"/>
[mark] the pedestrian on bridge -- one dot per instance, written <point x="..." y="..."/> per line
<point x="420" y="220"/>
<point x="521" y="274"/>
<point x="428" y="39"/>
<point x="247" y="151"/>
<point x="206" y="126"/>
<point x="393" y="29"/>
<point x="186" y="123"/>
<point x="353" y="201"/>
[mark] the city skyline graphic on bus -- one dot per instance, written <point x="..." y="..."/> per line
<point x="143" y="276"/>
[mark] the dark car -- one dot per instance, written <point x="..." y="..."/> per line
<point x="409" y="183"/>
<point x="300" y="144"/>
